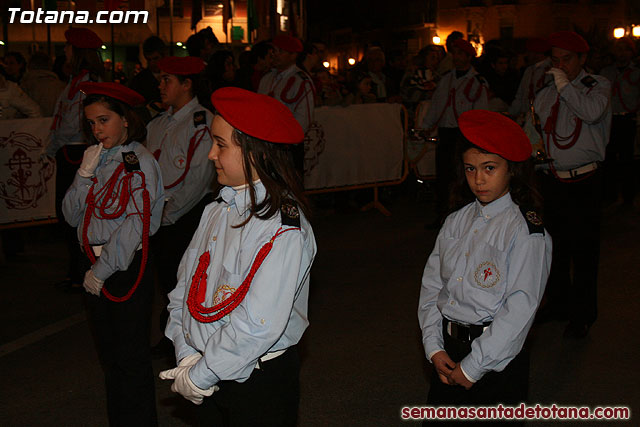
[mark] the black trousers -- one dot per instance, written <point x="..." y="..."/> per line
<point x="509" y="387"/>
<point x="121" y="333"/>
<point x="270" y="396"/>
<point x="171" y="241"/>
<point x="619" y="159"/>
<point x="572" y="217"/>
<point x="447" y="155"/>
<point x="65" y="173"/>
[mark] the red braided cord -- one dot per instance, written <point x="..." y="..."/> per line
<point x="467" y="92"/>
<point x="107" y="197"/>
<point x="550" y="128"/>
<point x="146" y="225"/>
<point x="190" y="152"/>
<point x="287" y="87"/>
<point x="555" y="172"/>
<point x="196" y="295"/>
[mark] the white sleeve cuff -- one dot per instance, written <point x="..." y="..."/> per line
<point x="467" y="376"/>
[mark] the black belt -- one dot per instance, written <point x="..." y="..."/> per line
<point x="463" y="332"/>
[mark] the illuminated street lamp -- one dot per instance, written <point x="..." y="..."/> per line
<point x="618" y="32"/>
<point x="436" y="39"/>
<point x="636" y="31"/>
<point x="351" y="61"/>
<point x="178" y="44"/>
<point x="103" y="47"/>
<point x="326" y="64"/>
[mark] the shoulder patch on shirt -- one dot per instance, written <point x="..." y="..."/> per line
<point x="534" y="222"/>
<point x="199" y="118"/>
<point x="589" y="81"/>
<point x="131" y="162"/>
<point x="289" y="213"/>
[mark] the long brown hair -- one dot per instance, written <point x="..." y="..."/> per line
<point x="87" y="59"/>
<point x="522" y="185"/>
<point x="275" y="168"/>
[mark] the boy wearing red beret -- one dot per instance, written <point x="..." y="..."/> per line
<point x="575" y="112"/>
<point x="179" y="139"/>
<point x="486" y="275"/>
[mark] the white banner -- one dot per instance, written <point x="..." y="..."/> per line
<point x="358" y="144"/>
<point x="27" y="185"/>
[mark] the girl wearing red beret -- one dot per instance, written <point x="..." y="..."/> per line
<point x="116" y="201"/>
<point x="240" y="305"/>
<point x="486" y="275"/>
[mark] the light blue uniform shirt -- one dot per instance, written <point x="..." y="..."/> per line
<point x="273" y="315"/>
<point x="462" y="101"/>
<point x="628" y="81"/>
<point x="171" y="134"/>
<point x="485" y="267"/>
<point x="122" y="236"/>
<point x="67" y="119"/>
<point x="533" y="79"/>
<point x="577" y="100"/>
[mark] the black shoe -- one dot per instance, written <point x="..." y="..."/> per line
<point x="576" y="330"/>
<point x="164" y="348"/>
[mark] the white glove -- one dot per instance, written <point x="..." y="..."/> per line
<point x="92" y="284"/>
<point x="560" y="78"/>
<point x="90" y="160"/>
<point x="182" y="384"/>
<point x="190" y="360"/>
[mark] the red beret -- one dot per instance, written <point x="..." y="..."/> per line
<point x="83" y="38"/>
<point x="288" y="43"/>
<point x="181" y="66"/>
<point x="495" y="133"/>
<point x="465" y="46"/>
<point x="568" y="40"/>
<point x="113" y="90"/>
<point x="257" y="115"/>
<point x="538" y="45"/>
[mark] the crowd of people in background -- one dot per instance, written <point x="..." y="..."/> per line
<point x="382" y="75"/>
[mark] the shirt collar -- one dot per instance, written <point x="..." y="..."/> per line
<point x="580" y="76"/>
<point x="182" y="113"/>
<point x="493" y="208"/>
<point x="240" y="196"/>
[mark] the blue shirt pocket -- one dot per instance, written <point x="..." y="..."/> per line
<point x="487" y="269"/>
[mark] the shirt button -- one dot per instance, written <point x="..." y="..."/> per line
<point x="459" y="279"/>
<point x="214" y="238"/>
<point x="475" y="231"/>
<point x="228" y="208"/>
<point x="262" y="322"/>
<point x="453" y="303"/>
<point x="487" y="216"/>
<point x="188" y="336"/>
<point x="467" y="254"/>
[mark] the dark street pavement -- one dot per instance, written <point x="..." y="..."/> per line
<point x="362" y="354"/>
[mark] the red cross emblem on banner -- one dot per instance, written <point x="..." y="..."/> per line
<point x="487" y="273"/>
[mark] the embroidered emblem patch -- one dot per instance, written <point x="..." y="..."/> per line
<point x="533" y="218"/>
<point x="131" y="162"/>
<point x="222" y="293"/>
<point x="179" y="162"/>
<point x="487" y="275"/>
<point x="290" y="210"/>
